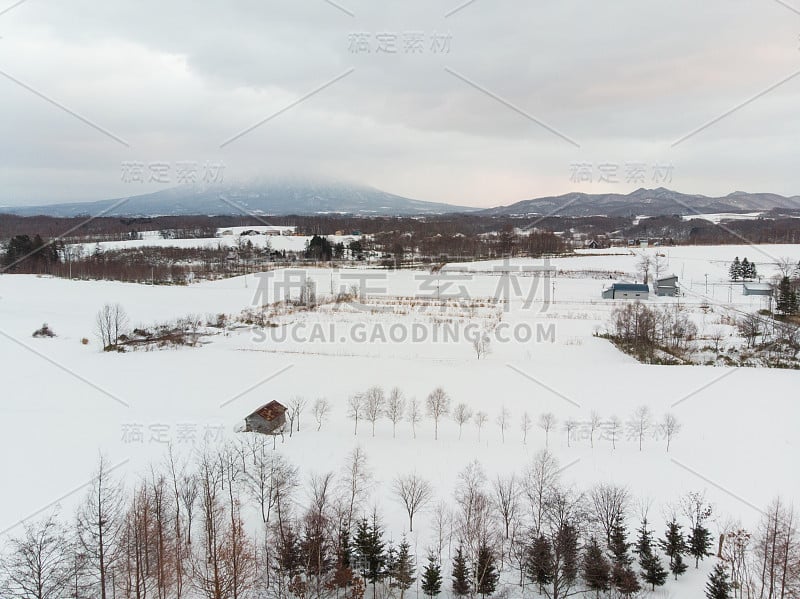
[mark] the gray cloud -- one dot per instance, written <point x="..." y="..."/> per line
<point x="177" y="79"/>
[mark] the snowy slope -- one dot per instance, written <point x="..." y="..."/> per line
<point x="63" y="401"/>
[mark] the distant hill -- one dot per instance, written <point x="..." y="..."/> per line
<point x="645" y="202"/>
<point x="264" y="198"/>
<point x="309" y="198"/>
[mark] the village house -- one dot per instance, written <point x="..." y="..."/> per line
<point x="269" y="419"/>
<point x="667" y="286"/>
<point x="750" y="288"/>
<point x="627" y="291"/>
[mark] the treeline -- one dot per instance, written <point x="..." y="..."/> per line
<point x="698" y="231"/>
<point x="240" y="521"/>
<point x="651" y="333"/>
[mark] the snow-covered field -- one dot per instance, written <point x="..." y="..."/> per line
<point x="63" y="401"/>
<point x="289" y="243"/>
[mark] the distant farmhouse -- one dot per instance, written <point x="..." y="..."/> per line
<point x="269" y="419"/>
<point x="667" y="286"/>
<point x="749" y="288"/>
<point x="627" y="291"/>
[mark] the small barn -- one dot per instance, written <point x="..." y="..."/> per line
<point x="667" y="286"/>
<point x="749" y="288"/>
<point x="627" y="291"/>
<point x="269" y="419"/>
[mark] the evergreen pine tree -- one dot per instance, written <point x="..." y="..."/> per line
<point x="653" y="573"/>
<point x="644" y="541"/>
<point x="343" y="573"/>
<point x="718" y="586"/>
<point x="699" y="543"/>
<point x="540" y="562"/>
<point x="361" y="542"/>
<point x="432" y="577"/>
<point x="674" y="546"/>
<point x="747" y="270"/>
<point x="619" y="545"/>
<point x="370" y="545"/>
<point x="786" y="303"/>
<point x="461" y="574"/>
<point x="624" y="580"/>
<point x="404" y="567"/>
<point x="288" y="554"/>
<point x="486" y="574"/>
<point x="389" y="564"/>
<point x="735" y="271"/>
<point x="596" y="569"/>
<point x="752" y="271"/>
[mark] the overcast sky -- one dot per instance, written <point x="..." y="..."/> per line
<point x="495" y="102"/>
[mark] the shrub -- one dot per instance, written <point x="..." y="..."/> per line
<point x="45" y="331"/>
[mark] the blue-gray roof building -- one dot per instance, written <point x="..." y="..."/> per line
<point x="627" y="291"/>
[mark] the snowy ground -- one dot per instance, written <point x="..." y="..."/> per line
<point x="289" y="243"/>
<point x="63" y="401"/>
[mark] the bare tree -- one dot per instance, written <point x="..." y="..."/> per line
<point x="296" y="406"/>
<point x="321" y="410"/>
<point x="786" y="267"/>
<point x="640" y="423"/>
<point x="525" y="426"/>
<point x="506" y="500"/>
<point x="100" y="522"/>
<point x="111" y="321"/>
<point x="461" y="414"/>
<point x="659" y="264"/>
<point x="569" y="427"/>
<point x="736" y="550"/>
<point x="443" y="523"/>
<point x="716" y="335"/>
<point x="541" y="478"/>
<point x="395" y="408"/>
<point x="503" y="419"/>
<point x="189" y="490"/>
<point x="355" y="483"/>
<point x="594" y="424"/>
<point x="670" y="427"/>
<point x="481" y="418"/>
<point x="374" y="400"/>
<point x="609" y="505"/>
<point x="547" y="422"/>
<point x="614" y="425"/>
<point x="777" y="551"/>
<point x="438" y="405"/>
<point x="414" y="415"/>
<point x="268" y="472"/>
<point x="473" y="517"/>
<point x="414" y="493"/>
<point x="355" y="409"/>
<point x="482" y="344"/>
<point x="225" y="565"/>
<point x="644" y="265"/>
<point x="38" y="565"/>
<point x="750" y="327"/>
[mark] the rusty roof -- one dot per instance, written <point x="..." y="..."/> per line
<point x="270" y="411"/>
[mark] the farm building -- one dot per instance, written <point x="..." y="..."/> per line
<point x="749" y="288"/>
<point x="667" y="286"/>
<point x="269" y="419"/>
<point x="627" y="291"/>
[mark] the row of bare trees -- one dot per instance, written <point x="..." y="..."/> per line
<point x="375" y="404"/>
<point x="240" y="520"/>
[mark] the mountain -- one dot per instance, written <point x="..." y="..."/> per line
<point x="283" y="197"/>
<point x="261" y="198"/>
<point x="645" y="202"/>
